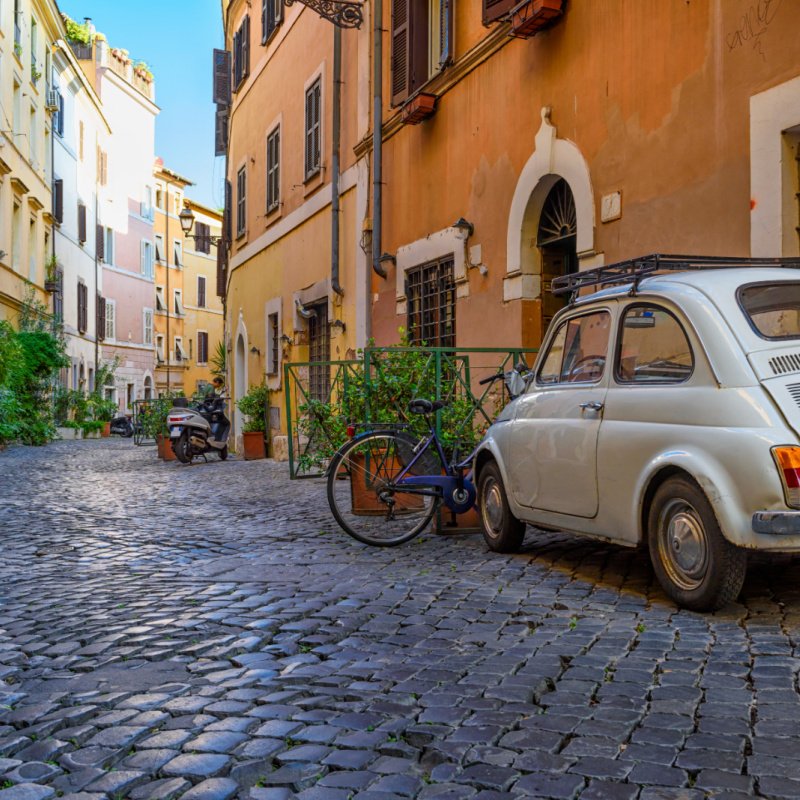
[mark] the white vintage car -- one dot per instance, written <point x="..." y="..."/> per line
<point x="664" y="410"/>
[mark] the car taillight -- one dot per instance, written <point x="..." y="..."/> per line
<point x="788" y="460"/>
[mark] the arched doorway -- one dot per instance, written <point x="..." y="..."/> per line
<point x="240" y="383"/>
<point x="556" y="239"/>
<point x="148" y="388"/>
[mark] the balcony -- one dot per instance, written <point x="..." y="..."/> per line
<point x="81" y="51"/>
<point x="532" y="16"/>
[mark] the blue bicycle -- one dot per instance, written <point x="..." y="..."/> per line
<point x="384" y="486"/>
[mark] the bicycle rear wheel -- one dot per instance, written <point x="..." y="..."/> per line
<point x="362" y="494"/>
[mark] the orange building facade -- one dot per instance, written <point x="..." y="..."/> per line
<point x="514" y="147"/>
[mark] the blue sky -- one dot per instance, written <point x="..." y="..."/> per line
<point x="175" y="38"/>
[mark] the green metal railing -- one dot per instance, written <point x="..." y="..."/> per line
<point x="376" y="389"/>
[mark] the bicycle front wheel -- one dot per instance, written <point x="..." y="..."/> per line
<point x="364" y="498"/>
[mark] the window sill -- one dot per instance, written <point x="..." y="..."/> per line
<point x="314" y="181"/>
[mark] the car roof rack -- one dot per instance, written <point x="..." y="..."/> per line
<point x="635" y="269"/>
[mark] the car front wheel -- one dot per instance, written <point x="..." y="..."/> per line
<point x="502" y="531"/>
<point x="694" y="563"/>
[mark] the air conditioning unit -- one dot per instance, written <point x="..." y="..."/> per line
<point x="52" y="100"/>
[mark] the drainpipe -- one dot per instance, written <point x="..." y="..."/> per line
<point x="96" y="286"/>
<point x="167" y="251"/>
<point x="337" y="135"/>
<point x="377" y="139"/>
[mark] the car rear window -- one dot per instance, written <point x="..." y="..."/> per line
<point x="773" y="309"/>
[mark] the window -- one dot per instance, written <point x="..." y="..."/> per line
<point x="147" y="326"/>
<point x="578" y="350"/>
<point x="58" y="117"/>
<point x="431" y="298"/>
<point x="273" y="344"/>
<point x="180" y="353"/>
<point x="772" y="309"/>
<point x="81" y="223"/>
<point x="83" y="307"/>
<point x="33" y="141"/>
<point x="35" y="71"/>
<point x="108" y="234"/>
<point x="58" y="200"/>
<point x="421" y="42"/>
<point x="160" y="348"/>
<point x="273" y="169"/>
<point x="159" y="248"/>
<point x="147" y="258"/>
<point x="241" y="53"/>
<point x="202" y="347"/>
<point x="16" y="221"/>
<point x="17" y="24"/>
<point x="313" y="128"/>
<point x="160" y="302"/>
<point x="271" y="18"/>
<point x="202" y="240"/>
<point x="111" y="320"/>
<point x="146" y="208"/>
<point x="178" y="301"/>
<point x="58" y="297"/>
<point x="159" y="198"/>
<point x="102" y="166"/>
<point x="177" y="253"/>
<point x="241" y="201"/>
<point x="653" y="347"/>
<point x="201" y="291"/>
<point x="319" y="344"/>
<point x="495" y="9"/>
<point x="81" y="132"/>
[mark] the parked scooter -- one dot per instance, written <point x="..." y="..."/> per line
<point x="197" y="429"/>
<point x="122" y="425"/>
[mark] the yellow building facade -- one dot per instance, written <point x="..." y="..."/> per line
<point x="28" y="31"/>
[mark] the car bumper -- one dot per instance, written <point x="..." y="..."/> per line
<point x="777" y="523"/>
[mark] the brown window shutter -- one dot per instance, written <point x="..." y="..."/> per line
<point x="264" y="26"/>
<point x="82" y="310"/>
<point x="446" y="32"/>
<point x="82" y="223"/>
<point x="222" y="77"/>
<point x="494" y="9"/>
<point x="101" y="318"/>
<point x="246" y="46"/>
<point x="101" y="243"/>
<point x="58" y="200"/>
<point x="227" y="216"/>
<point x="401" y="50"/>
<point x="222" y="263"/>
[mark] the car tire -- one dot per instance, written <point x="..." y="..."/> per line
<point x="694" y="563"/>
<point x="502" y="531"/>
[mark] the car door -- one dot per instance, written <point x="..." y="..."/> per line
<point x="553" y="442"/>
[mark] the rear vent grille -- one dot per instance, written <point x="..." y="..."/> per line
<point x="783" y="364"/>
<point x="794" y="391"/>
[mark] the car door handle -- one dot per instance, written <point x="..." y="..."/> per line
<point x="594" y="405"/>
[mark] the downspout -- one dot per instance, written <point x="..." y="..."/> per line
<point x="96" y="285"/>
<point x="377" y="140"/>
<point x="337" y="136"/>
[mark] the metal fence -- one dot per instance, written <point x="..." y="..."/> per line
<point x="376" y="389"/>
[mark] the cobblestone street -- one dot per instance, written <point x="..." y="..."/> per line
<point x="207" y="632"/>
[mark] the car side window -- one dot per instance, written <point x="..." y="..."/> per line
<point x="653" y="347"/>
<point x="577" y="353"/>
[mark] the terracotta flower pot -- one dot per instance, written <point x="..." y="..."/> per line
<point x="164" y="446"/>
<point x="364" y="494"/>
<point x="106" y="429"/>
<point x="254" y="445"/>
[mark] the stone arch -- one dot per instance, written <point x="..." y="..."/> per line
<point x="553" y="158"/>
<point x="148" y="385"/>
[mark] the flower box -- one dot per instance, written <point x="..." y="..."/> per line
<point x="418" y="108"/>
<point x="535" y="16"/>
<point x="51" y="286"/>
<point x="254" y="445"/>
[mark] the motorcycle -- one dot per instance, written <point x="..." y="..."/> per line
<point x="199" y="428"/>
<point x="121" y="425"/>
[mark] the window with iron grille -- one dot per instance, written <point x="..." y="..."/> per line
<point x="241" y="201"/>
<point x="319" y="353"/>
<point x="431" y="299"/>
<point x="313" y="128"/>
<point x="271" y="18"/>
<point x="273" y="169"/>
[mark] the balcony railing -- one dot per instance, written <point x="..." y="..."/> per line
<point x="81" y="51"/>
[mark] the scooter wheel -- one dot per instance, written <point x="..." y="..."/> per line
<point x="223" y="454"/>
<point x="182" y="448"/>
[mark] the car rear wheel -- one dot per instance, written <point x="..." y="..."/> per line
<point x="694" y="563"/>
<point x="502" y="531"/>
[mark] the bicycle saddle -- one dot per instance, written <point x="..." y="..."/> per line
<point x="422" y="406"/>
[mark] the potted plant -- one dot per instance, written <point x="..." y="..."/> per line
<point x="51" y="275"/>
<point x="154" y="424"/>
<point x="254" y="407"/>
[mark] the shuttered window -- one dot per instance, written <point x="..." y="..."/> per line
<point x="110" y="319"/>
<point x="241" y="201"/>
<point x="241" y="53"/>
<point x="221" y="132"/>
<point x="495" y="9"/>
<point x="201" y="291"/>
<point x="202" y="347"/>
<point x="58" y="200"/>
<point x="313" y="128"/>
<point x="100" y="240"/>
<point x="101" y="318"/>
<point x="273" y="170"/>
<point x="271" y="18"/>
<point x="147" y="325"/>
<point x="431" y="299"/>
<point x="227" y="218"/>
<point x="222" y="78"/>
<point x="81" y="223"/>
<point x="83" y="307"/>
<point x="58" y="297"/>
<point x="401" y="45"/>
<point x="202" y="239"/>
<point x="222" y="268"/>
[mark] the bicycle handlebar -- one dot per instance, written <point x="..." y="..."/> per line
<point x="492" y="378"/>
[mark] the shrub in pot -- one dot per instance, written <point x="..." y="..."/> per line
<point x="254" y="407"/>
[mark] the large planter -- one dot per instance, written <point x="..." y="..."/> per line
<point x="363" y="492"/>
<point x="253" y="445"/>
<point x="419" y="108"/>
<point x="164" y="447"/>
<point x="91" y="434"/>
<point x="69" y="433"/>
<point x="106" y="430"/>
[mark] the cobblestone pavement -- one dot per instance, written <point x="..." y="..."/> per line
<point x="206" y="632"/>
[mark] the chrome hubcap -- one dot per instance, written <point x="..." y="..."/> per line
<point x="493" y="507"/>
<point x="683" y="544"/>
